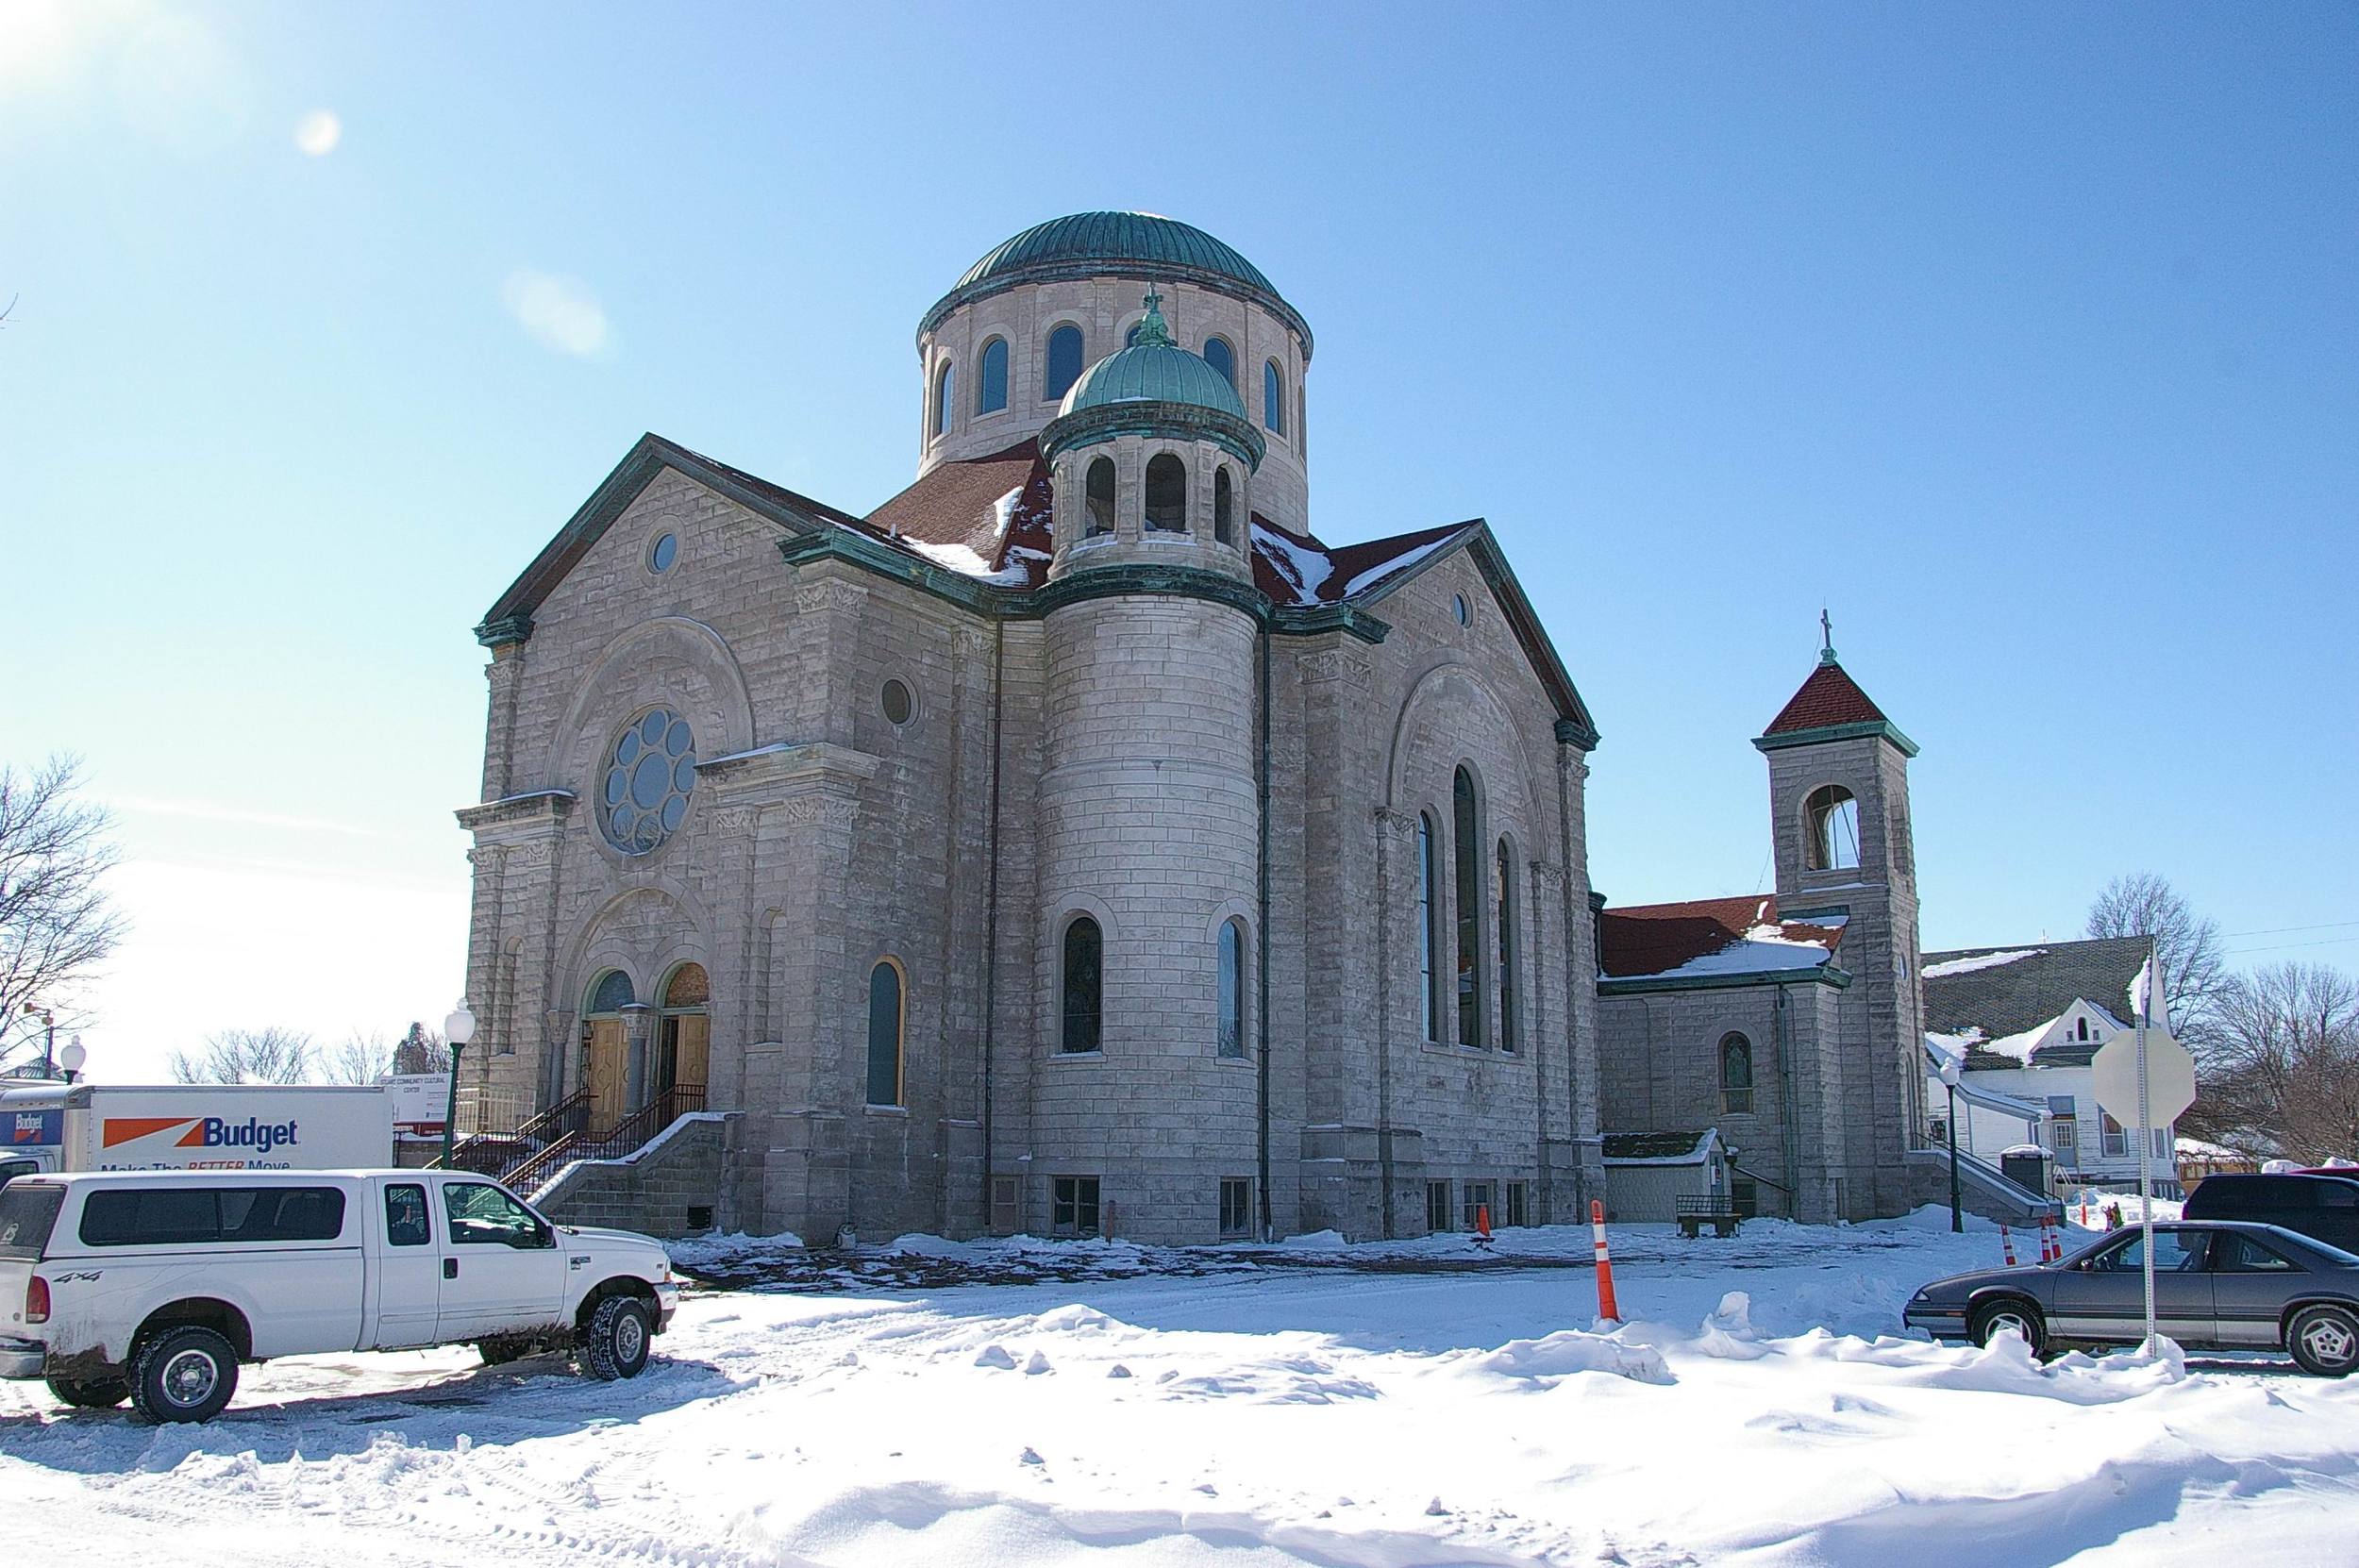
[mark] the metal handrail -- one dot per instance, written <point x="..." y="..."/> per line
<point x="567" y="1116"/>
<point x="632" y="1132"/>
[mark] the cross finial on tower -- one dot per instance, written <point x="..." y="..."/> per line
<point x="1151" y="332"/>
<point x="1825" y="637"/>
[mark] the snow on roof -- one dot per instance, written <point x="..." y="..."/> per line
<point x="1714" y="936"/>
<point x="967" y="562"/>
<point x="1401" y="562"/>
<point x="1301" y="565"/>
<point x="1981" y="960"/>
<point x="1659" y="1148"/>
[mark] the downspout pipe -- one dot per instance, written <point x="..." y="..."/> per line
<point x="991" y="898"/>
<point x="1261" y="967"/>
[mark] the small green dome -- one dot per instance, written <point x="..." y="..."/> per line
<point x="1153" y="369"/>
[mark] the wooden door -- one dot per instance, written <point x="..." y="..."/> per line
<point x="605" y="1074"/>
<point x="691" y="1063"/>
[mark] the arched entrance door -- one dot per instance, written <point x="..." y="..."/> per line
<point x="606" y="1050"/>
<point x="683" y="1054"/>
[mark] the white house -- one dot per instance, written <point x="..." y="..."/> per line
<point x="2027" y="1022"/>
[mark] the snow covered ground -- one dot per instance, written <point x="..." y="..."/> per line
<point x="1396" y="1406"/>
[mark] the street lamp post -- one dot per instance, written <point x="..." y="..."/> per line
<point x="70" y="1060"/>
<point x="1949" y="1082"/>
<point x="458" y="1028"/>
<point x="48" y="1039"/>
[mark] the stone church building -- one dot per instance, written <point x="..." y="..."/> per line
<point x="1078" y="843"/>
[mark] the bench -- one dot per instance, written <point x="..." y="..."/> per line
<point x="1714" y="1209"/>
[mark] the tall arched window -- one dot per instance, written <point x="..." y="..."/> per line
<point x="1428" y="929"/>
<point x="1464" y="848"/>
<point x="1084" y="961"/>
<point x="944" y="383"/>
<point x="1232" y="988"/>
<point x="1223" y="358"/>
<point x="991" y="387"/>
<point x="1736" y="1075"/>
<point x="1503" y="914"/>
<point x="888" y="1016"/>
<point x="1830" y="824"/>
<point x="1274" y="397"/>
<point x="1224" y="508"/>
<point x="1167" y="494"/>
<point x="1099" y="497"/>
<point x="1064" y="362"/>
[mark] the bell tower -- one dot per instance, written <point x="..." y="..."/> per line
<point x="1839" y="825"/>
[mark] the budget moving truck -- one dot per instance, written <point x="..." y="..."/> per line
<point x="90" y="1126"/>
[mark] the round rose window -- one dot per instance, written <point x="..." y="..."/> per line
<point x="648" y="778"/>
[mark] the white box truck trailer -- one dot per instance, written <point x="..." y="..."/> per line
<point x="90" y="1126"/>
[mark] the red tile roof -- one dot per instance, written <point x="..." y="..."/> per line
<point x="958" y="504"/>
<point x="1828" y="697"/>
<point x="1655" y="938"/>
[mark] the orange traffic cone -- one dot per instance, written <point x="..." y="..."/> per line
<point x="1608" y="1309"/>
<point x="1482" y="1225"/>
<point x="2006" y="1246"/>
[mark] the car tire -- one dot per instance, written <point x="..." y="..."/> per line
<point x="2324" y="1340"/>
<point x="2009" y="1315"/>
<point x="91" y="1393"/>
<point x="185" y="1374"/>
<point x="615" y="1343"/>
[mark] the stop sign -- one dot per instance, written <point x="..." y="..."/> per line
<point x="2169" y="1077"/>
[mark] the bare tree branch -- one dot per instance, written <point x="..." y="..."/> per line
<point x="56" y="923"/>
<point x="2195" y="967"/>
<point x="359" y="1058"/>
<point x="249" y="1056"/>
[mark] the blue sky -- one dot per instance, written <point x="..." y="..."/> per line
<point x="2022" y="338"/>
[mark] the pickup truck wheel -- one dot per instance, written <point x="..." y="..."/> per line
<point x="2325" y="1341"/>
<point x="2009" y="1316"/>
<point x="185" y="1374"/>
<point x="91" y="1393"/>
<point x="615" y="1343"/>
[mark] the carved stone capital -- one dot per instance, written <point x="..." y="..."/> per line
<point x="828" y="594"/>
<point x="735" y="819"/>
<point x="822" y="811"/>
<point x="1550" y="878"/>
<point x="1576" y="770"/>
<point x="1320" y="665"/>
<point x="1395" y="825"/>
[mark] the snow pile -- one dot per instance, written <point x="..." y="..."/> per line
<point x="1570" y="1351"/>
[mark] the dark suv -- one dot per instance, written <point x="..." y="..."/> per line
<point x="2325" y="1208"/>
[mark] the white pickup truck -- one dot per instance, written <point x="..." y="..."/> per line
<point x="154" y="1286"/>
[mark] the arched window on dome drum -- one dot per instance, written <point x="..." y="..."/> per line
<point x="1464" y="841"/>
<point x="1231" y="1035"/>
<point x="1099" y="499"/>
<point x="943" y="384"/>
<point x="1830" y="824"/>
<point x="1428" y="932"/>
<point x="1084" y="959"/>
<point x="991" y="387"/>
<point x="1064" y="362"/>
<point x="887" y="1015"/>
<point x="1224" y="508"/>
<point x="1274" y="397"/>
<point x="1167" y="494"/>
<point x="1736" y="1075"/>
<point x="1223" y="358"/>
<point x="1503" y="914"/>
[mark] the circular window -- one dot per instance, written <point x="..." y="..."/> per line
<point x="1458" y="608"/>
<point x="899" y="702"/>
<point x="649" y="774"/>
<point x="664" y="550"/>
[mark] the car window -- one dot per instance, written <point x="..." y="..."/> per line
<point x="406" y="1224"/>
<point x="198" y="1216"/>
<point x="28" y="1211"/>
<point x="2335" y="1195"/>
<point x="482" y="1213"/>
<point x="2233" y="1253"/>
<point x="11" y="1169"/>
<point x="2175" y="1251"/>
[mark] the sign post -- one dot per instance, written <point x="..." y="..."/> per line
<point x="2145" y="1076"/>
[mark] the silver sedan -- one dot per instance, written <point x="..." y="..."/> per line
<point x="2218" y="1285"/>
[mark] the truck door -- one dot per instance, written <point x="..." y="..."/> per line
<point x="502" y="1271"/>
<point x="409" y="1267"/>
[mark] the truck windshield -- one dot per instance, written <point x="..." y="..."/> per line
<point x="27" y="1212"/>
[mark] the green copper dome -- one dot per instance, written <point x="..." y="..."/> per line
<point x="1134" y="244"/>
<point x="1153" y="369"/>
